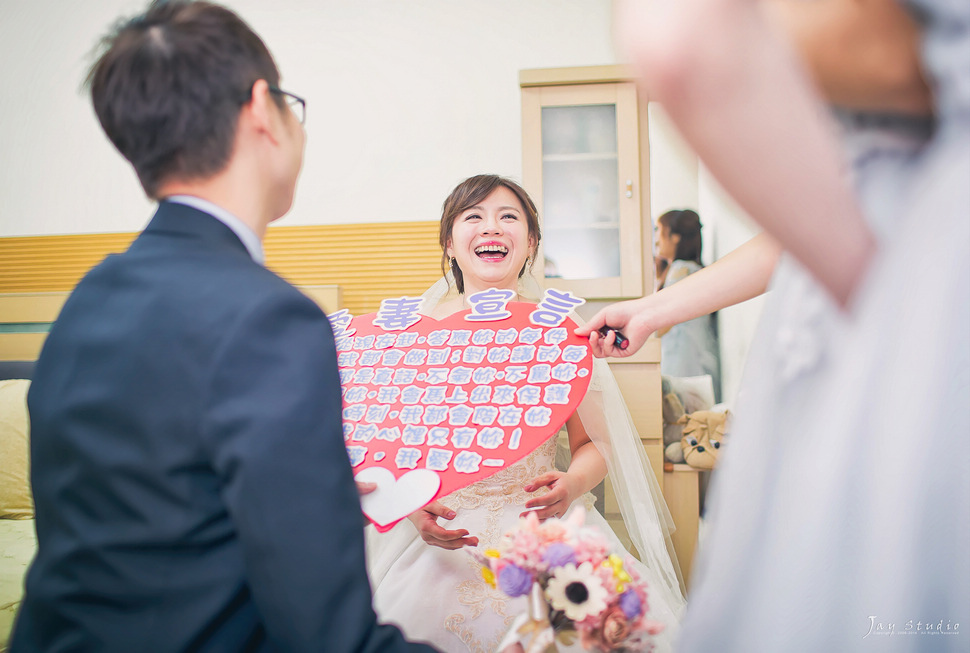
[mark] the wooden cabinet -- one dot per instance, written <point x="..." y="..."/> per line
<point x="682" y="490"/>
<point x="586" y="163"/>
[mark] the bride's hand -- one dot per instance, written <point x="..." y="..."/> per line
<point x="426" y="521"/>
<point x="557" y="501"/>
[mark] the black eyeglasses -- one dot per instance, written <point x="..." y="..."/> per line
<point x="295" y="102"/>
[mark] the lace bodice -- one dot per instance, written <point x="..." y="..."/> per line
<point x="504" y="489"/>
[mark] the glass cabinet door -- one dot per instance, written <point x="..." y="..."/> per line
<point x="582" y="167"/>
<point x="581" y="212"/>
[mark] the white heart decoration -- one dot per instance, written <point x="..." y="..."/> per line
<point x="394" y="500"/>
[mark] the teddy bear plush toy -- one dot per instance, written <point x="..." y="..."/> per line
<point x="672" y="411"/>
<point x="703" y="436"/>
<point x="684" y="398"/>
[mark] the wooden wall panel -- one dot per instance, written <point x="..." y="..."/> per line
<point x="369" y="262"/>
<point x="54" y="263"/>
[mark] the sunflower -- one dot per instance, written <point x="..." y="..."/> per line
<point x="577" y="591"/>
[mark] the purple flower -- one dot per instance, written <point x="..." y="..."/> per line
<point x="558" y="554"/>
<point x="514" y="580"/>
<point x="630" y="604"/>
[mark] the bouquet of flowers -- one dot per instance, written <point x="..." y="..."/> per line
<point x="577" y="588"/>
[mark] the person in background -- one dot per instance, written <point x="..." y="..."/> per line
<point x="191" y="484"/>
<point x="689" y="348"/>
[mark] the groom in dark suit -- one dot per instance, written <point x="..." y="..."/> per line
<point x="192" y="488"/>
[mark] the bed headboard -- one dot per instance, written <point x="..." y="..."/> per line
<point x="328" y="297"/>
<point x="25" y="319"/>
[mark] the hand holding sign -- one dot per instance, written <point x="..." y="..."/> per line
<point x="462" y="397"/>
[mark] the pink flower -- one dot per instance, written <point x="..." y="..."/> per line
<point x="631" y="568"/>
<point x="612" y="630"/>
<point x="522" y="547"/>
<point x="591" y="547"/>
<point x="530" y="523"/>
<point x="553" y="530"/>
<point x="606" y="573"/>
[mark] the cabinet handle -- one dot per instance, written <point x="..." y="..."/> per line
<point x="629" y="188"/>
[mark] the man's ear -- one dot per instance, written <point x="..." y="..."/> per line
<point x="261" y="110"/>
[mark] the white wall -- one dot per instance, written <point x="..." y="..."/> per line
<point x="673" y="168"/>
<point x="404" y="99"/>
<point x="58" y="173"/>
<point x="730" y="228"/>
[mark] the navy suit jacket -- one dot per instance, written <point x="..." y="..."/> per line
<point x="192" y="488"/>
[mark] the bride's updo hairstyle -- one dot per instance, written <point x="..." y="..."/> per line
<point x="466" y="195"/>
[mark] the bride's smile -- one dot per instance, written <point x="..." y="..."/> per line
<point x="491" y="242"/>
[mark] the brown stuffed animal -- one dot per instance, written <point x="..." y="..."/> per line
<point x="703" y="437"/>
<point x="672" y="411"/>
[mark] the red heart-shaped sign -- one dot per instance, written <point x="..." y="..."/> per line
<point x="462" y="398"/>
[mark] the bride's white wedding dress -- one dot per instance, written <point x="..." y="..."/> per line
<point x="440" y="596"/>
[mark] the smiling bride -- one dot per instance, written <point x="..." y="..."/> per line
<point x="422" y="581"/>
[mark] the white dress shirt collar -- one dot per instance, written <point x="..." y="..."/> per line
<point x="248" y="237"/>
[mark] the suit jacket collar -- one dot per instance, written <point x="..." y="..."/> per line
<point x="180" y="220"/>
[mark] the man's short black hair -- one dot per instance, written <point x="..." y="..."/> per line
<point x="169" y="86"/>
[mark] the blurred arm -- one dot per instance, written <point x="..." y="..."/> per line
<point x="742" y="274"/>
<point x="864" y="53"/>
<point x="769" y="143"/>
